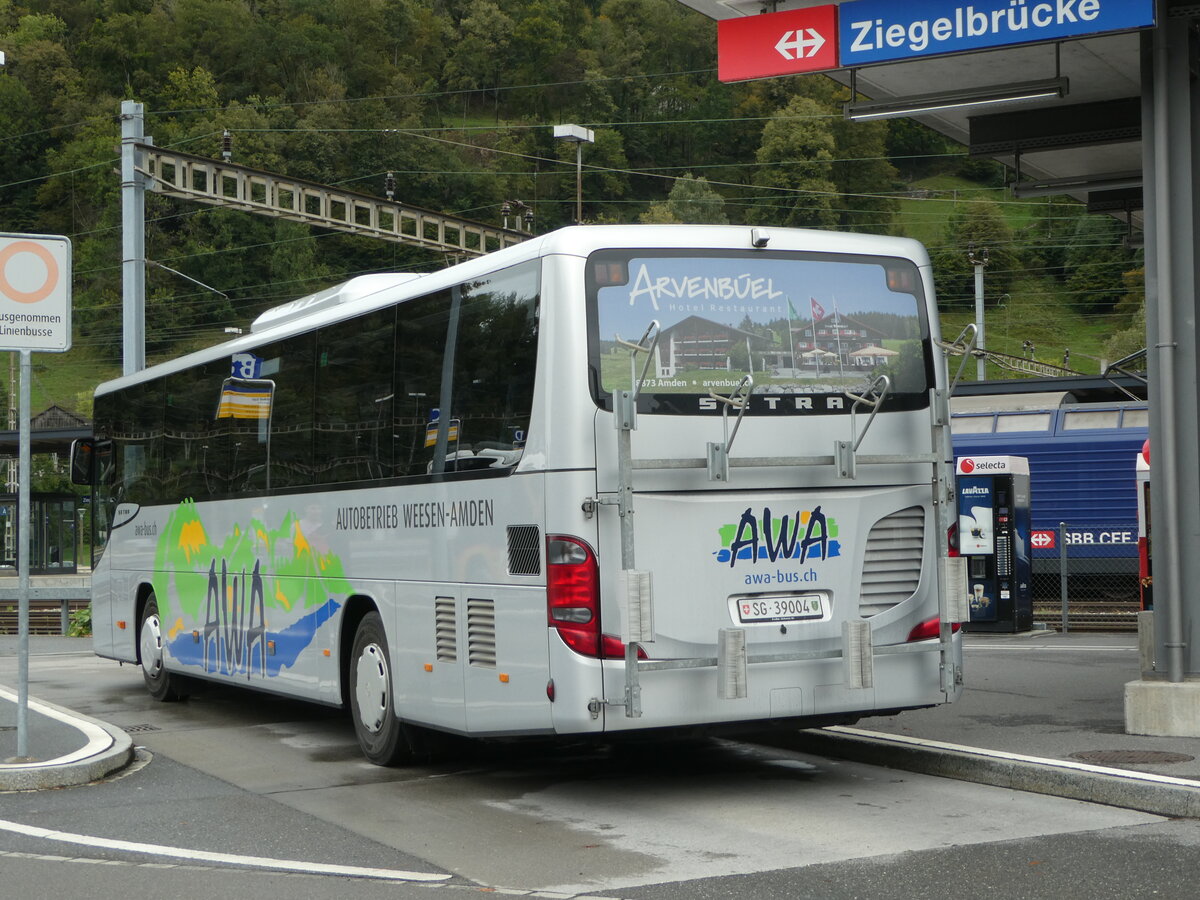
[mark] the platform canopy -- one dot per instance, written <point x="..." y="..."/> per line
<point x="50" y="431"/>
<point x="1085" y="143"/>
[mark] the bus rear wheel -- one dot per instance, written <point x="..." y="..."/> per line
<point x="161" y="684"/>
<point x="383" y="737"/>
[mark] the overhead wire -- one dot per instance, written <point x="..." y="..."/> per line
<point x="431" y="134"/>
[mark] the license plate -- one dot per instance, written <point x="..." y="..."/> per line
<point x="784" y="608"/>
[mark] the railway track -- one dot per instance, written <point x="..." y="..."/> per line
<point x="1089" y="616"/>
<point x="45" y="616"/>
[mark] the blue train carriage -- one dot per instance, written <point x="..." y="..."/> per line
<point x="1081" y="467"/>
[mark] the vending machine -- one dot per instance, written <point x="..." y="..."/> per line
<point x="993" y="535"/>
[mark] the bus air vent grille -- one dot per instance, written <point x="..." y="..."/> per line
<point x="481" y="632"/>
<point x="524" y="550"/>
<point x="892" y="567"/>
<point x="446" y="626"/>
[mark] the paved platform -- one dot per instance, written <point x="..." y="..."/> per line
<point x="1041" y="712"/>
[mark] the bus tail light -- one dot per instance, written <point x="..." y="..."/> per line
<point x="573" y="593"/>
<point x="612" y="647"/>
<point x="573" y="599"/>
<point x="952" y="540"/>
<point x="929" y="629"/>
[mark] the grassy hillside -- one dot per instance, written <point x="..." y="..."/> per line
<point x="64" y="379"/>
<point x="1039" y="309"/>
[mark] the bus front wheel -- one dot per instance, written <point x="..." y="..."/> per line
<point x="161" y="684"/>
<point x="381" y="735"/>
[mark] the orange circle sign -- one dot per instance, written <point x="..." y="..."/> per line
<point x="41" y="253"/>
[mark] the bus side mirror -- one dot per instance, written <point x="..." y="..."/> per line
<point x="83" y="461"/>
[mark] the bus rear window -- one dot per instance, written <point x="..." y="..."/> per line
<point x="798" y="324"/>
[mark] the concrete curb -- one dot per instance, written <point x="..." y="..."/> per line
<point x="105" y="750"/>
<point x="1146" y="792"/>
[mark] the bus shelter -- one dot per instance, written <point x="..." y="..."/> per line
<point x="54" y="543"/>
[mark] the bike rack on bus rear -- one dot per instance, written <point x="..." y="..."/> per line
<point x="858" y="652"/>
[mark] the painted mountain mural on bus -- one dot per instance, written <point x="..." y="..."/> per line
<point x="225" y="604"/>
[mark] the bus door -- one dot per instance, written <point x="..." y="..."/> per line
<point x="92" y="463"/>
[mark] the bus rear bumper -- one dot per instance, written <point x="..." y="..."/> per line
<point x="813" y="690"/>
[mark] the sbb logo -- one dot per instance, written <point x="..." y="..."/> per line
<point x="966" y="466"/>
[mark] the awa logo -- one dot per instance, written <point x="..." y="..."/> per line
<point x="766" y="538"/>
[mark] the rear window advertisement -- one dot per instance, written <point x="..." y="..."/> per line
<point x="796" y="324"/>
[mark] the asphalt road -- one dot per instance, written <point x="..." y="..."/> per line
<point x="263" y="780"/>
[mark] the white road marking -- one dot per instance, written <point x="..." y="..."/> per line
<point x="98" y="740"/>
<point x="258" y="862"/>
<point x="1130" y="775"/>
<point x="979" y="648"/>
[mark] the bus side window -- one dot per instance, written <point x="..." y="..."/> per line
<point x="137" y="444"/>
<point x="420" y="347"/>
<point x="290" y="365"/>
<point x="354" y="397"/>
<point x="193" y="456"/>
<point x="494" y="365"/>
<point x="103" y="502"/>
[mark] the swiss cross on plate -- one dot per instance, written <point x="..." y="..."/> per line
<point x="783" y="43"/>
<point x="1043" y="539"/>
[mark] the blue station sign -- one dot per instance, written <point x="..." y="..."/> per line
<point x="875" y="31"/>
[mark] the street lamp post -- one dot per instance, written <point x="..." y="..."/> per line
<point x="979" y="261"/>
<point x="577" y="135"/>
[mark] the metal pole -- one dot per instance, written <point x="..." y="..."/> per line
<point x="13" y="392"/>
<point x="980" y="361"/>
<point x="1171" y="37"/>
<point x="23" y="525"/>
<point x="1062" y="573"/>
<point x="579" y="183"/>
<point x="979" y="262"/>
<point x="133" y="240"/>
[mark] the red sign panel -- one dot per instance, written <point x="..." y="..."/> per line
<point x="783" y="43"/>
<point x="1043" y="539"/>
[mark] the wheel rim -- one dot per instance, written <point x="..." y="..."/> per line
<point x="371" y="688"/>
<point x="152" y="655"/>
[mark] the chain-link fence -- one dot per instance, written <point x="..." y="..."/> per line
<point x="1085" y="578"/>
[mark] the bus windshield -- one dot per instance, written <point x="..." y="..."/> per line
<point x="796" y="323"/>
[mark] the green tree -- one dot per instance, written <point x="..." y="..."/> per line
<point x="481" y="51"/>
<point x="865" y="177"/>
<point x="917" y="150"/>
<point x="548" y="59"/>
<point x="21" y="155"/>
<point x="977" y="224"/>
<point x="797" y="145"/>
<point x="1130" y="309"/>
<point x="1128" y="340"/>
<point x="1048" y="235"/>
<point x="692" y="201"/>
<point x="38" y="55"/>
<point x="1096" y="262"/>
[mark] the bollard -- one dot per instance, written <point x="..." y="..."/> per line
<point x="1146" y="645"/>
